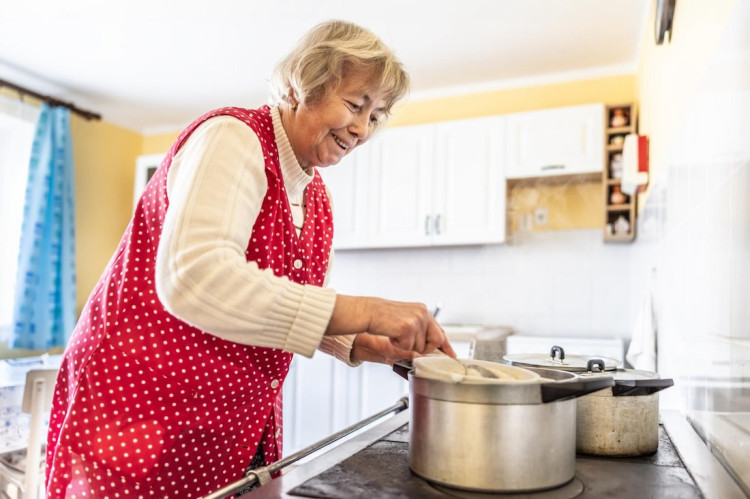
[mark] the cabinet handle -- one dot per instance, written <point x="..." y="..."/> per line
<point x="553" y="167"/>
<point x="437" y="224"/>
<point x="427" y="225"/>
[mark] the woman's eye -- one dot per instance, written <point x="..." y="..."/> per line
<point x="355" y="107"/>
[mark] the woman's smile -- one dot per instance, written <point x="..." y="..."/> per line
<point x="346" y="117"/>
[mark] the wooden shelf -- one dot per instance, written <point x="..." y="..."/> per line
<point x="614" y="238"/>
<point x="616" y="215"/>
<point x="619" y="207"/>
<point x="621" y="129"/>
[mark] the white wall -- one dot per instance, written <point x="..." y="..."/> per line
<point x="695" y="232"/>
<point x="557" y="283"/>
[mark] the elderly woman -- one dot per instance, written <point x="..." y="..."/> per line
<point x="171" y="383"/>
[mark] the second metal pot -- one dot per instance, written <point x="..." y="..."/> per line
<point x="618" y="421"/>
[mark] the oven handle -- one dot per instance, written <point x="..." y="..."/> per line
<point x="263" y="475"/>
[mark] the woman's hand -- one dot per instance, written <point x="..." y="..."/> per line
<point x="371" y="348"/>
<point x="409" y="327"/>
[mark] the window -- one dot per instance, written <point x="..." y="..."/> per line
<point x="17" y="123"/>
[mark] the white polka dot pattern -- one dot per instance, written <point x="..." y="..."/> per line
<point x="148" y="406"/>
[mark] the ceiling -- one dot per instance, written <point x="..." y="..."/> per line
<point x="154" y="65"/>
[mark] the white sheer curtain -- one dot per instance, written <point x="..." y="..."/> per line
<point x="17" y="121"/>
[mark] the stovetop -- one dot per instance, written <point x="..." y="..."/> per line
<point x="382" y="470"/>
<point x="375" y="464"/>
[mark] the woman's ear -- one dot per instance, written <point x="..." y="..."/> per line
<point x="292" y="99"/>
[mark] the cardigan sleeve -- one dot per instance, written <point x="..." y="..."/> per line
<point x="215" y="186"/>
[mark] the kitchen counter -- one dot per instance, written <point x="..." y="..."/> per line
<point x="375" y="464"/>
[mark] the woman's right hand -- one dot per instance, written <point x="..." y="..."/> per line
<point x="409" y="326"/>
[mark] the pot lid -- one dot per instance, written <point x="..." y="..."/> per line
<point x="558" y="359"/>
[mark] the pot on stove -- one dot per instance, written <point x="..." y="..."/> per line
<point x="619" y="421"/>
<point x="499" y="436"/>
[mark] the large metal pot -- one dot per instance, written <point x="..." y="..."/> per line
<point x="496" y="437"/>
<point x="619" y="421"/>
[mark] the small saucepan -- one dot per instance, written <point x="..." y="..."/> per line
<point x="622" y="420"/>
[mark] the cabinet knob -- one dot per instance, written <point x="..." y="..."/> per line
<point x="427" y="225"/>
<point x="437" y="224"/>
<point x="553" y="167"/>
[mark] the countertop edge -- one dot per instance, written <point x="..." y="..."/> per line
<point x="713" y="480"/>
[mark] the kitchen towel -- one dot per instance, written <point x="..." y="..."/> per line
<point x="631" y="177"/>
<point x="642" y="350"/>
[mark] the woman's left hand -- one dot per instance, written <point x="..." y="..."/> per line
<point x="374" y="348"/>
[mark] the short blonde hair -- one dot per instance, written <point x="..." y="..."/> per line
<point x="323" y="56"/>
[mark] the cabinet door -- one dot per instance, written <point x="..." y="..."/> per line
<point x="469" y="203"/>
<point x="310" y="404"/>
<point x="403" y="167"/>
<point x="349" y="185"/>
<point x="558" y="141"/>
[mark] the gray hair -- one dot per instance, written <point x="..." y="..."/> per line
<point x="322" y="57"/>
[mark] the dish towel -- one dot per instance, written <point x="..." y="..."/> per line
<point x="642" y="350"/>
<point x="631" y="177"/>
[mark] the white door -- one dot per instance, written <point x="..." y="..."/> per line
<point x="470" y="185"/>
<point x="562" y="141"/>
<point x="403" y="168"/>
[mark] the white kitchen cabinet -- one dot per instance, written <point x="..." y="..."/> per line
<point x="349" y="185"/>
<point x="468" y="203"/>
<point x="560" y="141"/>
<point x="404" y="164"/>
<point x="323" y="395"/>
<point x="424" y="185"/>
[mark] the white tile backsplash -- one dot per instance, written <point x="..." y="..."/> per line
<point x="554" y="283"/>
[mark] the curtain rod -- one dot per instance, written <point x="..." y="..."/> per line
<point x="50" y="100"/>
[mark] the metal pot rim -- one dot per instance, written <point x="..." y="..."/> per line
<point x="553" y="385"/>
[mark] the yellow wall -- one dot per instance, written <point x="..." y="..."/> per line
<point x="610" y="90"/>
<point x="669" y="74"/>
<point x="157" y="144"/>
<point x="104" y="157"/>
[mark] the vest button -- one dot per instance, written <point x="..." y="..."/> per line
<point x="297" y="264"/>
<point x="275" y="384"/>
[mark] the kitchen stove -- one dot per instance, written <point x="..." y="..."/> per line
<point x="382" y="470"/>
<point x="375" y="464"/>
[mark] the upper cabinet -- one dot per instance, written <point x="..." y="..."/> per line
<point x="445" y="183"/>
<point x="404" y="163"/>
<point x="560" y="141"/>
<point x="352" y="197"/>
<point x="469" y="185"/>
<point x="435" y="184"/>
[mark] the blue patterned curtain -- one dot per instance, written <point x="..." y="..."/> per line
<point x="44" y="312"/>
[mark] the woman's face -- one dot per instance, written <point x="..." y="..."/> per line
<point x="324" y="132"/>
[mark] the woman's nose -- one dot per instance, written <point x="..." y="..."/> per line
<point x="359" y="126"/>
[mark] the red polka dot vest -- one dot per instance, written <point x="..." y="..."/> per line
<point x="147" y="405"/>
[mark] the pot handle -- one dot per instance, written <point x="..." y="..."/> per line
<point x="557" y="350"/>
<point x="402" y="368"/>
<point x="634" y="387"/>
<point x="592" y="363"/>
<point x="563" y="390"/>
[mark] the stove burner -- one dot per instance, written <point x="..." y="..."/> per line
<point x="572" y="489"/>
